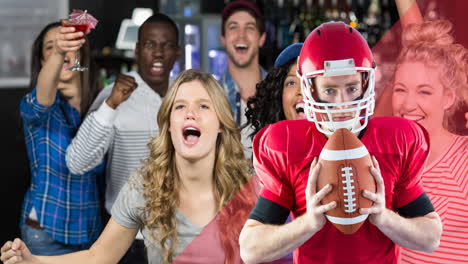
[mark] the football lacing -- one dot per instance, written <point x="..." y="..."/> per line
<point x="349" y="194"/>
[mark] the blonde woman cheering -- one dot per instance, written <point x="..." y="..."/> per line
<point x="196" y="165"/>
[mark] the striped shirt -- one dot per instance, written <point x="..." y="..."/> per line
<point x="66" y="204"/>
<point x="123" y="134"/>
<point x="446" y="183"/>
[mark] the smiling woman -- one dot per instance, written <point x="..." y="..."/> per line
<point x="277" y="97"/>
<point x="430" y="85"/>
<point x="431" y="71"/>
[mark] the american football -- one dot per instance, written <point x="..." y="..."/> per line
<point x="345" y="165"/>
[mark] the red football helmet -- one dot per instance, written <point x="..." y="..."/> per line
<point x="334" y="49"/>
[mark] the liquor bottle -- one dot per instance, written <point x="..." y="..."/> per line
<point x="361" y="8"/>
<point x="386" y="15"/>
<point x="308" y="23"/>
<point x="296" y="29"/>
<point x="334" y="12"/>
<point x="320" y="13"/>
<point x="351" y="15"/>
<point x="284" y="10"/>
<point x="373" y="22"/>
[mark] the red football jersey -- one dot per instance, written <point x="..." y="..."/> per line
<point x="283" y="153"/>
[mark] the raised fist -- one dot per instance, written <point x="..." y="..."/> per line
<point x="123" y="88"/>
<point x="16" y="252"/>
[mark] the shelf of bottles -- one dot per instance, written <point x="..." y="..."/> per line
<point x="291" y="21"/>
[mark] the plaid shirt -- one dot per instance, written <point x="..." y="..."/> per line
<point x="67" y="204"/>
<point x="232" y="92"/>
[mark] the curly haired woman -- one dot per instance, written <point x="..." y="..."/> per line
<point x="278" y="96"/>
<point x="196" y="166"/>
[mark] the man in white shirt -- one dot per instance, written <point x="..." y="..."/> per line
<point x="122" y="119"/>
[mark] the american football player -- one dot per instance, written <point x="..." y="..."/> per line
<point x="337" y="73"/>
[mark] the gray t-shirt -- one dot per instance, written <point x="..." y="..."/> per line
<point x="128" y="212"/>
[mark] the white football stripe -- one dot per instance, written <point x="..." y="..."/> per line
<point x="348" y="154"/>
<point x="346" y="221"/>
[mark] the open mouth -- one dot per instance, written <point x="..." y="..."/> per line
<point x="241" y="48"/>
<point x="300" y="108"/>
<point x="300" y="113"/>
<point x="342" y="118"/>
<point x="416" y="118"/>
<point x="191" y="135"/>
<point x="157" y="68"/>
<point x="66" y="63"/>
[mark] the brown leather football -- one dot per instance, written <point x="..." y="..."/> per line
<point x="345" y="165"/>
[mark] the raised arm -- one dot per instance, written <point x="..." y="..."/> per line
<point x="409" y="12"/>
<point x="109" y="248"/>
<point x="96" y="133"/>
<point x="92" y="141"/>
<point x="49" y="75"/>
<point x="262" y="242"/>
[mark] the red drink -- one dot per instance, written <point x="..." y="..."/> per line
<point x="80" y="21"/>
<point x="83" y="27"/>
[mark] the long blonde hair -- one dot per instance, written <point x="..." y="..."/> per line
<point x="161" y="179"/>
<point x="432" y="43"/>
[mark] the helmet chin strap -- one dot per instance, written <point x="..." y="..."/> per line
<point x="330" y="127"/>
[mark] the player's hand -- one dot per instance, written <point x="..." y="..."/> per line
<point x="123" y="88"/>
<point x="315" y="210"/>
<point x="378" y="209"/>
<point x="68" y="40"/>
<point x="16" y="252"/>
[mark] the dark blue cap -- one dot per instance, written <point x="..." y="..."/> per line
<point x="290" y="52"/>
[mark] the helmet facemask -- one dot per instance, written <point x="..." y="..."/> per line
<point x="323" y="114"/>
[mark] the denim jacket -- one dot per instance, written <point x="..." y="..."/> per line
<point x="232" y="92"/>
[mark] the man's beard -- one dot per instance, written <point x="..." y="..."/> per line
<point x="242" y="65"/>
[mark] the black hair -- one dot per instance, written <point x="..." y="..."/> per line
<point x="161" y="19"/>
<point x="36" y="54"/>
<point x="266" y="107"/>
<point x="89" y="83"/>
